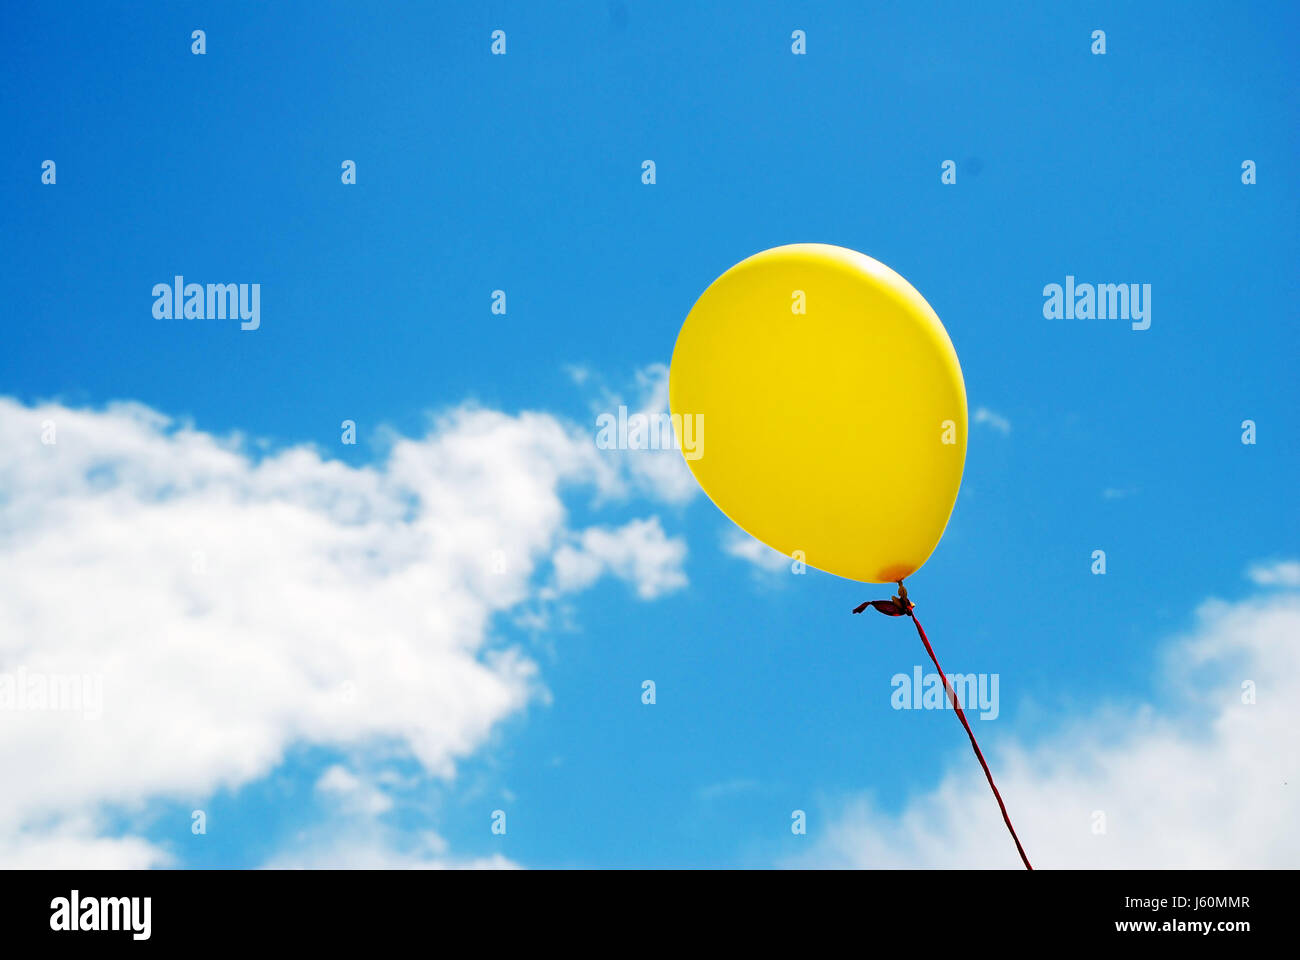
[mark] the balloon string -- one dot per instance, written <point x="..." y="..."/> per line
<point x="961" y="715"/>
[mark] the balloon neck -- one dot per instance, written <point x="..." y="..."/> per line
<point x="896" y="606"/>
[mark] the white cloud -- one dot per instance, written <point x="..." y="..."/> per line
<point x="727" y="788"/>
<point x="234" y="607"/>
<point x="995" y="420"/>
<point x="660" y="473"/>
<point x="737" y="543"/>
<point x="74" y="844"/>
<point x="1285" y="573"/>
<point x="354" y="793"/>
<point x="637" y="552"/>
<point x="369" y="848"/>
<point x="355" y="835"/>
<point x="1210" y="782"/>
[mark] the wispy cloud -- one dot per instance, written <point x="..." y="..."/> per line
<point x="737" y="543"/>
<point x="995" y="420"/>
<point x="659" y="473"/>
<point x="1285" y="573"/>
<point x="1202" y="783"/>
<point x="638" y="552"/>
<point x="727" y="788"/>
<point x="352" y="792"/>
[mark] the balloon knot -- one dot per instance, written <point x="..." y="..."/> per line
<point x="895" y="606"/>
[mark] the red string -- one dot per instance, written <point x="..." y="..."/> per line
<point x="952" y="695"/>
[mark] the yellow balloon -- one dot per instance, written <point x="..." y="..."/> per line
<point x="832" y="408"/>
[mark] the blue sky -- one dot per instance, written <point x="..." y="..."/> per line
<point x="523" y="173"/>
